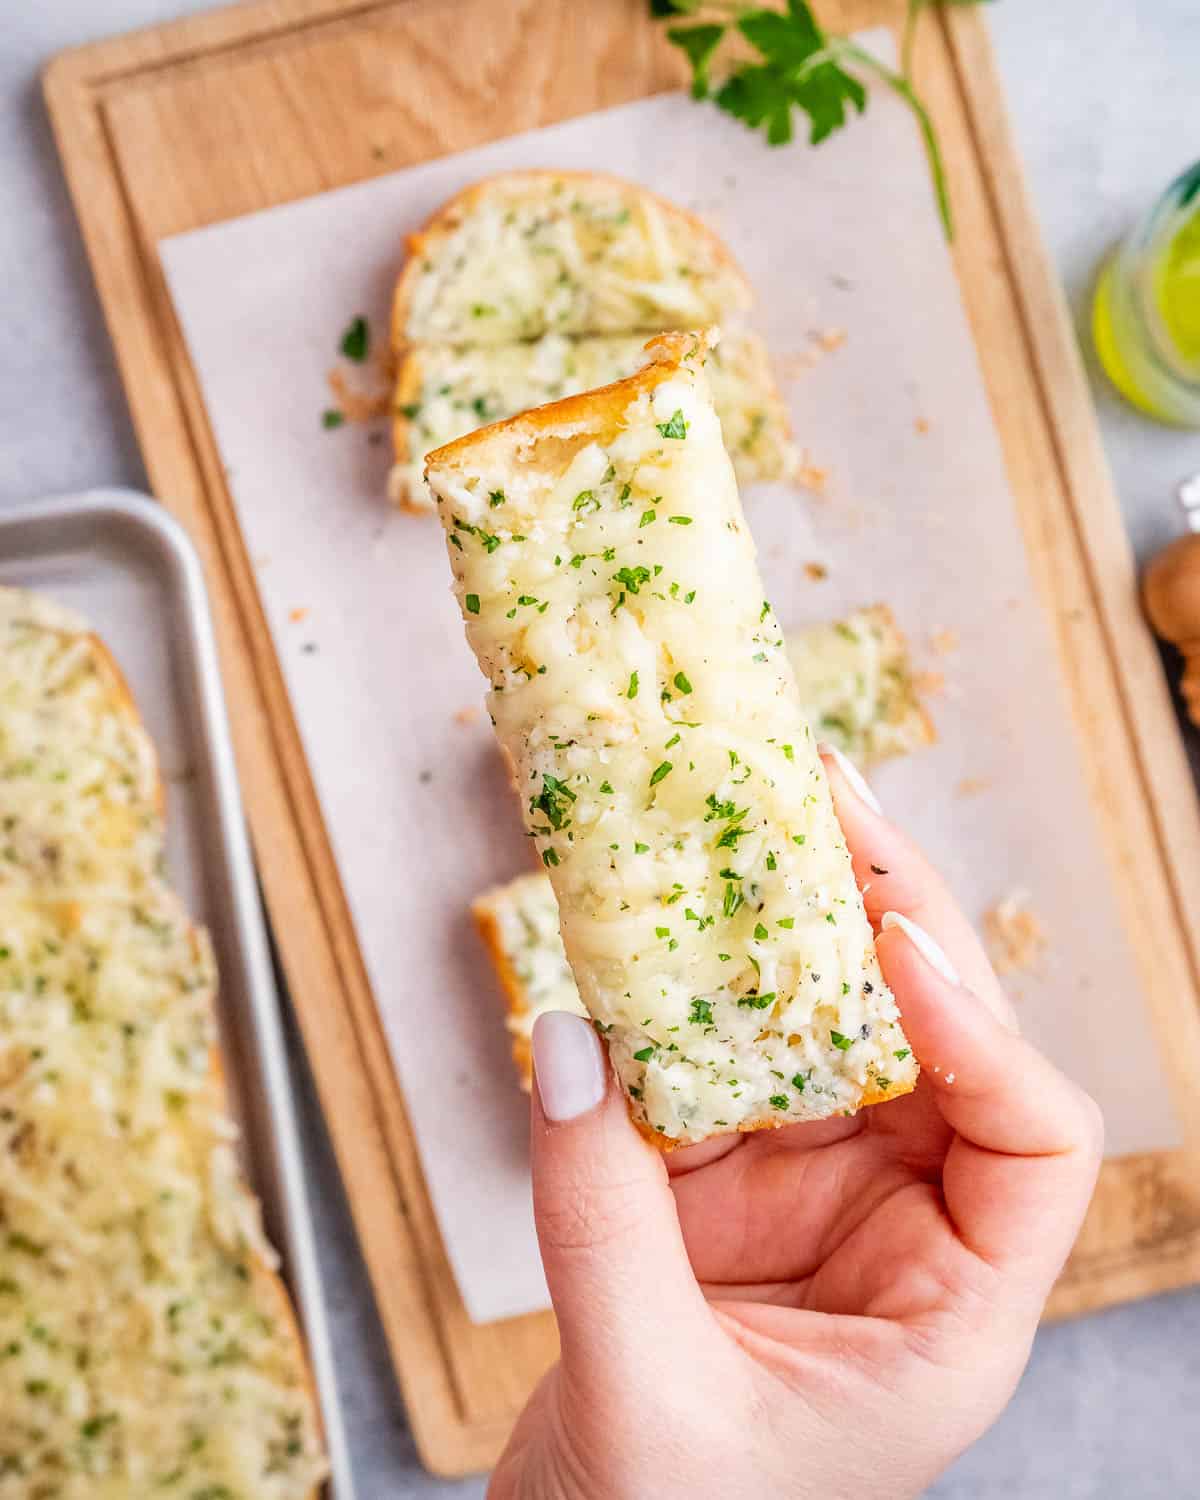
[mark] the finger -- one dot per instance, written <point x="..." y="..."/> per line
<point x="1020" y="1172"/>
<point x="894" y="875"/>
<point x="609" y="1234"/>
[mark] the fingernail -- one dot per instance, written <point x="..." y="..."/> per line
<point x="568" y="1064"/>
<point x="933" y="953"/>
<point x="858" y="782"/>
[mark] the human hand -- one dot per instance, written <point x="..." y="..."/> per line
<point x="832" y="1309"/>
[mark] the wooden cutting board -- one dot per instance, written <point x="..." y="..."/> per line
<point x="222" y="114"/>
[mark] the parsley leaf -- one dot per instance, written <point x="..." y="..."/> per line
<point x="698" y="44"/>
<point x="701" y="1012"/>
<point x="795" y="64"/>
<point x="675" y="426"/>
<point x="356" y="340"/>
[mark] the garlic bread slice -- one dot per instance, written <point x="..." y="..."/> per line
<point x="639" y="682"/>
<point x="445" y="391"/>
<point x="527" y="253"/>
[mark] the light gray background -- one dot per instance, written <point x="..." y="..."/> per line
<point x="1103" y="94"/>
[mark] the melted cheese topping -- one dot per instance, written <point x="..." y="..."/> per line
<point x="145" y="1346"/>
<point x="667" y="774"/>
<point x="842" y="672"/>
<point x="534" y="253"/>
<point x="857" y="687"/>
<point x="445" y="392"/>
<point x="79" y="797"/>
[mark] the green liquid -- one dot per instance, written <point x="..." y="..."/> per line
<point x="1177" y="290"/>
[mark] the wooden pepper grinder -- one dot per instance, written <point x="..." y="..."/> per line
<point x="1171" y="595"/>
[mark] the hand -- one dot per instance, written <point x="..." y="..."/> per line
<point x="834" y="1309"/>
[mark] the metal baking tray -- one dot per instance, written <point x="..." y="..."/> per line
<point x="122" y="562"/>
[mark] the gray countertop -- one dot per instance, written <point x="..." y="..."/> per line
<point x="1101" y="93"/>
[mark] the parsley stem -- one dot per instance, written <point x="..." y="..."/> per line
<point x="901" y="86"/>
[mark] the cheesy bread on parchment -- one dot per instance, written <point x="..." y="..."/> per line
<point x="522" y="254"/>
<point x="147" y="1346"/>
<point x="639" y="682"/>
<point x="856" y="688"/>
<point x="445" y="391"/>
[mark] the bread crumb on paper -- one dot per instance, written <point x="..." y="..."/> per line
<point x="945" y="641"/>
<point x="921" y="425"/>
<point x="298" y="614"/>
<point x="971" y="786"/>
<point x="811" y="476"/>
<point x="830" y="339"/>
<point x="816" y="571"/>
<point x="1013" y="934"/>
<point x="929" y="683"/>
<point x="356" y="405"/>
<point x="468" y="715"/>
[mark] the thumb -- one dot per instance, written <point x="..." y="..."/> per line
<point x="612" y="1249"/>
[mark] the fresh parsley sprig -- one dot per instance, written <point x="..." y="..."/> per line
<point x="797" y="65"/>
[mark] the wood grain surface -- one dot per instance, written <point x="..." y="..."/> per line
<point x="236" y="110"/>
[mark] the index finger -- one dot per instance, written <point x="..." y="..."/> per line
<point x="1019" y="1173"/>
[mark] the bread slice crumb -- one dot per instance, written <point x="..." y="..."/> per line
<point x="1014" y="935"/>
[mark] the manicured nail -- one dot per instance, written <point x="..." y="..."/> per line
<point x="858" y="782"/>
<point x="931" y="952"/>
<point x="568" y="1064"/>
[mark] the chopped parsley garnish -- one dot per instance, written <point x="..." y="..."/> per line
<point x="701" y="1012"/>
<point x="675" y="427"/>
<point x="632" y="578"/>
<point x="550" y="856"/>
<point x="772" y="864"/>
<point x="842" y="1043"/>
<point x="679" y="520"/>
<point x="786" y="922"/>
<point x="780" y="1101"/>
<point x="788" y="751"/>
<point x="682" y="683"/>
<point x="472" y="604"/>
<point x="496" y="498"/>
<point x="757" y="1002"/>
<point x="644" y="1055"/>
<point x="662" y="932"/>
<point x="799" y="838"/>
<point x="356" y="340"/>
<point x="641" y="848"/>
<point x="902" y="1054"/>
<point x="760" y="932"/>
<point x="585" y="502"/>
<point x="606" y="788"/>
<point x="554" y="802"/>
<point x="798" y="1082"/>
<point x="489" y="541"/>
<point x="648" y="516"/>
<point x="332" y="418"/>
<point x="733" y="899"/>
<point x="632" y="690"/>
<point x="664" y="768"/>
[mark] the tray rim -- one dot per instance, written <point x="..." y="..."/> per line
<point x="175" y="555"/>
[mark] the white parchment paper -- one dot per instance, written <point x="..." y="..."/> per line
<point x="916" y="512"/>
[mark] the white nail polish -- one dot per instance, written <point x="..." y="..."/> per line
<point x="858" y="782"/>
<point x="930" y="951"/>
<point x="569" y="1065"/>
